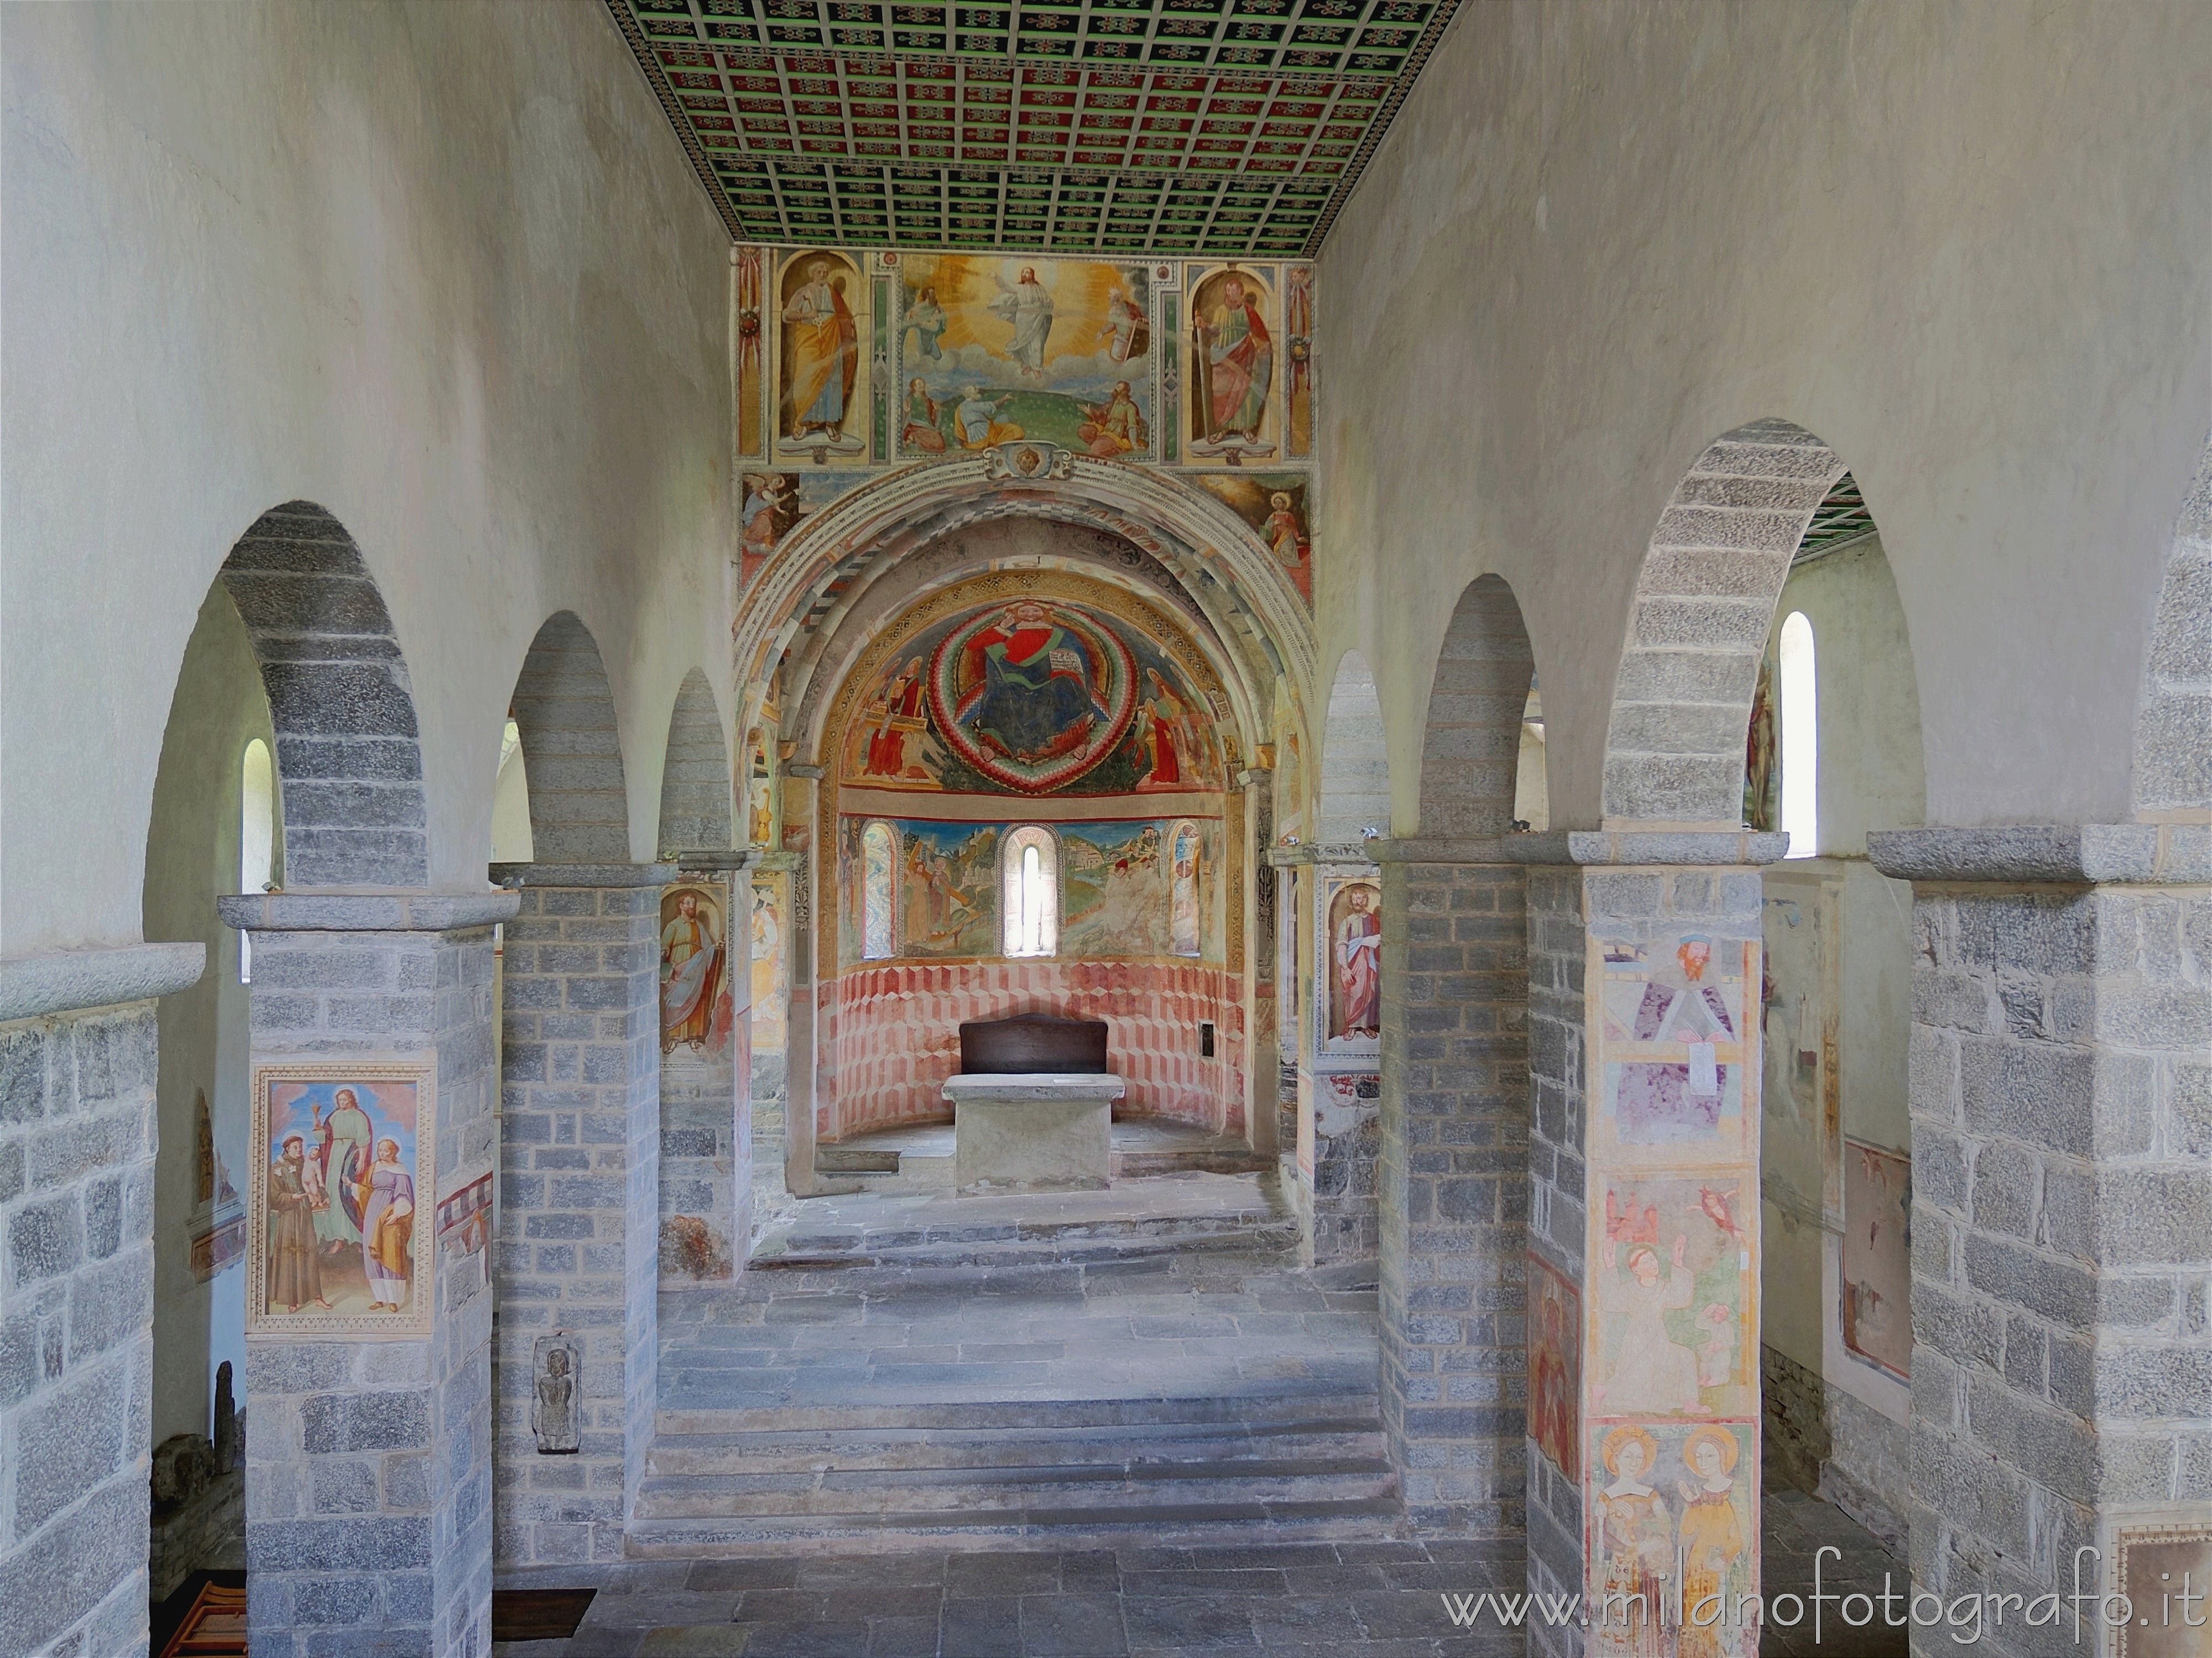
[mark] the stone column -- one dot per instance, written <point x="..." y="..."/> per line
<point x="705" y="1093"/>
<point x="1339" y="1076"/>
<point x="1453" y="1180"/>
<point x="1643" y="1057"/>
<point x="369" y="1461"/>
<point x="816" y="869"/>
<point x="580" y="1218"/>
<point x="2061" y="1186"/>
<point x="1263" y="1070"/>
<point x="78" y="1045"/>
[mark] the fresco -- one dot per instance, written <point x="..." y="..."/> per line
<point x="1675" y="1299"/>
<point x="341" y="1160"/>
<point x="697" y="1003"/>
<point x="1664" y="1493"/>
<point x="1675" y="1025"/>
<point x="1877" y="1277"/>
<point x="771" y="977"/>
<point x="994" y="349"/>
<point x="1185" y="858"/>
<point x="1232" y="376"/>
<point x="1117" y="882"/>
<point x="1352" y="995"/>
<point x="820" y="405"/>
<point x="1274" y="505"/>
<point x="1555" y="1366"/>
<point x="1031" y="697"/>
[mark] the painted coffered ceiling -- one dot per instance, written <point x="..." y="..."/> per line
<point x="1226" y="127"/>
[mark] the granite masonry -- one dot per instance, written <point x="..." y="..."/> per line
<point x="368" y="1463"/>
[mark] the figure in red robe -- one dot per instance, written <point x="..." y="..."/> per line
<point x="1359" y="968"/>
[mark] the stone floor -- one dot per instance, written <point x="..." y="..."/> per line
<point x="934" y="1140"/>
<point x="1381" y="1600"/>
<point x="1300" y="1600"/>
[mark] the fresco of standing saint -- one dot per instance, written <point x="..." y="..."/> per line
<point x="821" y="355"/>
<point x="1356" y="958"/>
<point x="692" y="969"/>
<point x="1232" y="368"/>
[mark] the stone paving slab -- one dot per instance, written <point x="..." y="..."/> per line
<point x="1292" y="1600"/>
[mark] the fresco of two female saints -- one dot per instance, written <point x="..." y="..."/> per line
<point x="1672" y="1512"/>
<point x="339" y="1198"/>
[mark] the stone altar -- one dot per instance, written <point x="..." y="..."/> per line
<point x="1037" y="1131"/>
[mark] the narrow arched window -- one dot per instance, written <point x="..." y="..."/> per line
<point x="879" y="892"/>
<point x="1800" y="739"/>
<point x="256" y="836"/>
<point x="1031" y="913"/>
<point x="1183" y="891"/>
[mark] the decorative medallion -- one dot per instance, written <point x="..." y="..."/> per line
<point x="1033" y="694"/>
<point x="1027" y="460"/>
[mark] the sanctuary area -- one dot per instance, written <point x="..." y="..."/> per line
<point x="852" y="830"/>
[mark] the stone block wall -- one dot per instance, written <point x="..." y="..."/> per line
<point x="581" y="1209"/>
<point x="1453" y="1170"/>
<point x="76" y="1312"/>
<point x="2062" y="1241"/>
<point x="1557" y="955"/>
<point x="1343" y="1202"/>
<point x="368" y="1463"/>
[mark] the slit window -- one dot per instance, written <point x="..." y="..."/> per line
<point x="1031" y="913"/>
<point x="1800" y="739"/>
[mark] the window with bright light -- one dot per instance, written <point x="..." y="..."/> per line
<point x="1030" y="914"/>
<point x="1800" y="739"/>
<point x="879" y="892"/>
<point x="256" y="836"/>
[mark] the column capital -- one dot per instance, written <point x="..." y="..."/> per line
<point x="1644" y="847"/>
<point x="732" y="859"/>
<point x="2059" y="855"/>
<point x="374" y="909"/>
<point x="583" y="875"/>
<point x="72" y="980"/>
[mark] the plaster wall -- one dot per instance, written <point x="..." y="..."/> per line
<point x="441" y="268"/>
<point x="1962" y="243"/>
<point x="206" y="1047"/>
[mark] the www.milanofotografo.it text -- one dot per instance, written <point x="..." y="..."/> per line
<point x="1966" y="1617"/>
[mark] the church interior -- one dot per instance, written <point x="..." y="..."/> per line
<point x="1106" y="827"/>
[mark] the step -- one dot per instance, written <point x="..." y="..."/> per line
<point x="1286" y="1403"/>
<point x="1155" y="1524"/>
<point x="689" y="1456"/>
<point x="1011" y="1245"/>
<point x="844" y="1160"/>
<point x="857" y="1492"/>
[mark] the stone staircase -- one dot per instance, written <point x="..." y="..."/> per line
<point x="1285" y="1466"/>
<point x="1176" y="1214"/>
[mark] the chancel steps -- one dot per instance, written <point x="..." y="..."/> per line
<point x="1058" y="1473"/>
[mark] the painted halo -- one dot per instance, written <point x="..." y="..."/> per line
<point x="1032" y="694"/>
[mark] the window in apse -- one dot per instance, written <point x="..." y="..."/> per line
<point x="256" y="837"/>
<point x="1182" y="907"/>
<point x="878" y="867"/>
<point x="1030" y="914"/>
<point x="1800" y="739"/>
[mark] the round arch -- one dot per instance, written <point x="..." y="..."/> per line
<point x="1355" y="761"/>
<point x="1471" y="747"/>
<point x="1705" y="601"/>
<point x="1220" y="562"/>
<point x="564" y="709"/>
<point x="696" y="777"/>
<point x="348" y="754"/>
<point x="2172" y="763"/>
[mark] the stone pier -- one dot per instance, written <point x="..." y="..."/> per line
<point x="580" y="1221"/>
<point x="368" y="1460"/>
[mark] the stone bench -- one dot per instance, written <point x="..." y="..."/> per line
<point x="1033" y="1105"/>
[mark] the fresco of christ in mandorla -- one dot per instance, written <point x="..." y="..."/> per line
<point x="1033" y="694"/>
